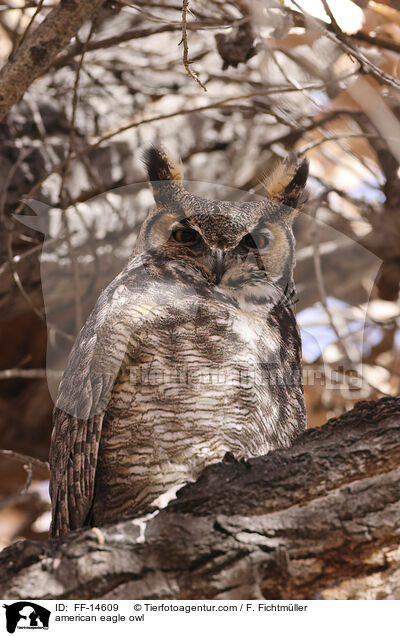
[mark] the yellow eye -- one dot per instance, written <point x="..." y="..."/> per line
<point x="255" y="241"/>
<point x="186" y="236"/>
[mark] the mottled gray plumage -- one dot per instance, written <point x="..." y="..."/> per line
<point x="190" y="353"/>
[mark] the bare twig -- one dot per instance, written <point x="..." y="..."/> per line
<point x="336" y="28"/>
<point x="184" y="41"/>
<point x="16" y="277"/>
<point x="346" y="45"/>
<point x="25" y="459"/>
<point x="33" y="250"/>
<point x="29" y="374"/>
<point x="380" y="43"/>
<point x="105" y="43"/>
<point x="23" y="154"/>
<point x="25" y="33"/>
<point x="318" y="142"/>
<point x="71" y="140"/>
<point x="11" y="262"/>
<point x="74" y="262"/>
<point x="29" y="463"/>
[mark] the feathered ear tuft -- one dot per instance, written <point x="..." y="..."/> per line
<point x="287" y="181"/>
<point x="161" y="166"/>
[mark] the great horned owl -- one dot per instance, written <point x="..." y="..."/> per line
<point x="192" y="352"/>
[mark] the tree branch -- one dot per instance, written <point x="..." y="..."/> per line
<point x="40" y="47"/>
<point x="305" y="522"/>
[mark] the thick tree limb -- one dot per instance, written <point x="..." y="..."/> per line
<point x="40" y="47"/>
<point x="318" y="520"/>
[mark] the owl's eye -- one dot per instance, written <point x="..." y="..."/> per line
<point x="186" y="236"/>
<point x="255" y="241"/>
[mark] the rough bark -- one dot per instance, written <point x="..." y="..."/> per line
<point x="40" y="48"/>
<point x="318" y="520"/>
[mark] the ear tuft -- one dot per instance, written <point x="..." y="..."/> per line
<point x="161" y="166"/>
<point x="287" y="181"/>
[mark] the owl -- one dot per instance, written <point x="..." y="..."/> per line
<point x="191" y="353"/>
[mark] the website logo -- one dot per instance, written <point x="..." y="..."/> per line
<point x="26" y="615"/>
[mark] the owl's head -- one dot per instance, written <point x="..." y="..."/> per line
<point x="244" y="248"/>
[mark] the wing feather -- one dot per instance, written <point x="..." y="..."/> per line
<point x="136" y="298"/>
<point x="83" y="396"/>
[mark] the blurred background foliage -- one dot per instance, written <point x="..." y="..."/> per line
<point x="229" y="86"/>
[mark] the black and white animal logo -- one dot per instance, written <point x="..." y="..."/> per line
<point x="26" y="615"/>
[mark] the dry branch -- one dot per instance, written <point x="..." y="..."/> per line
<point x="318" y="520"/>
<point x="40" y="47"/>
<point x="29" y="463"/>
<point x="293" y="96"/>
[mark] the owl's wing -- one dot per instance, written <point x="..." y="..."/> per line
<point x="83" y="396"/>
<point x="85" y="392"/>
<point x="73" y="459"/>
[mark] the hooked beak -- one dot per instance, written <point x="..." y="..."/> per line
<point x="219" y="264"/>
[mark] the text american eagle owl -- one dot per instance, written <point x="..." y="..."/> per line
<point x="190" y="353"/>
